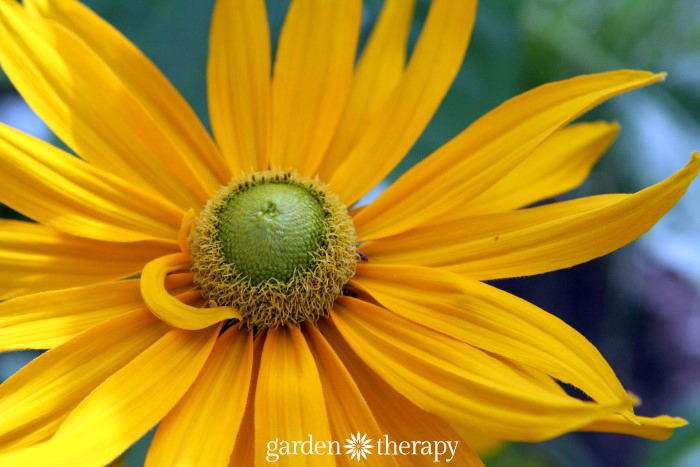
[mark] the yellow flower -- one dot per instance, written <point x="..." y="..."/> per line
<point x="415" y="346"/>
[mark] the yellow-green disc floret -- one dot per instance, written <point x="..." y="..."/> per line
<point x="277" y="246"/>
<point x="271" y="231"/>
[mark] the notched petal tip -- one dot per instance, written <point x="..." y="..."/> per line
<point x="168" y="308"/>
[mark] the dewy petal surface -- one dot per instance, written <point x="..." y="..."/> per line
<point x="126" y="405"/>
<point x="311" y="80"/>
<point x="494" y="321"/>
<point x="488" y="150"/>
<point x="107" y="125"/>
<point x="238" y="77"/>
<point x="38" y="397"/>
<point x="536" y="240"/>
<point x="390" y="133"/>
<point x="379" y="70"/>
<point x="202" y="428"/>
<point x="61" y="191"/>
<point x="48" y="319"/>
<point x="464" y="385"/>
<point x="561" y="163"/>
<point x="289" y="401"/>
<point x="35" y="258"/>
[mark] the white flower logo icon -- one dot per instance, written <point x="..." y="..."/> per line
<point x="358" y="446"/>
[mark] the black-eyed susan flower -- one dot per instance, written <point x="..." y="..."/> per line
<point x="216" y="287"/>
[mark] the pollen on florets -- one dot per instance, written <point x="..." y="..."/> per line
<point x="278" y="246"/>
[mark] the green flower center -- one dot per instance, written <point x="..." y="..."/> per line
<point x="271" y="231"/>
<point x="275" y="245"/>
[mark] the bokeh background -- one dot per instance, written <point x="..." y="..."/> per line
<point x="641" y="305"/>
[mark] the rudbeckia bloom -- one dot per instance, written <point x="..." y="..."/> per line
<point x="226" y="290"/>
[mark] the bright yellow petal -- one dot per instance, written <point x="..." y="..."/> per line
<point x="108" y="125"/>
<point x="39" y="396"/>
<point x="46" y="320"/>
<point x="575" y="239"/>
<point x="482" y="445"/>
<point x="238" y="77"/>
<point x="390" y="133"/>
<point x="202" y="428"/>
<point x="170" y="309"/>
<point x="35" y="258"/>
<point x="494" y="321"/>
<point x="244" y="450"/>
<point x="171" y="113"/>
<point x="289" y="402"/>
<point x="561" y="163"/>
<point x="312" y="76"/>
<point x="535" y="240"/>
<point x="453" y="380"/>
<point x="378" y="72"/>
<point x="488" y="150"/>
<point x="657" y="428"/>
<point x="347" y="410"/>
<point x="443" y="243"/>
<point x="59" y="190"/>
<point x="126" y="405"/>
<point x="398" y="417"/>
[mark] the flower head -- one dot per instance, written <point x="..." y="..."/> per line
<point x="227" y="289"/>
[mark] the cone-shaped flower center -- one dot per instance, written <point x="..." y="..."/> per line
<point x="277" y="246"/>
<point x="271" y="231"/>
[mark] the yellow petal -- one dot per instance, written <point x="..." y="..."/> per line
<point x="453" y="380"/>
<point x="289" y="401"/>
<point x="168" y="308"/>
<point x="40" y="395"/>
<point x="535" y="240"/>
<point x="380" y="67"/>
<point x="59" y="190"/>
<point x="312" y="75"/>
<point x="398" y="417"/>
<point x="443" y="243"/>
<point x="347" y="410"/>
<point x="488" y="150"/>
<point x="126" y="405"/>
<point x="390" y="133"/>
<point x="169" y="110"/>
<point x="109" y="125"/>
<point x="561" y="163"/>
<point x="46" y="320"/>
<point x="482" y="445"/>
<point x="657" y="428"/>
<point x="202" y="428"/>
<point x="238" y="77"/>
<point x="35" y="258"/>
<point x="575" y="239"/>
<point x="494" y="321"/>
<point x="244" y="450"/>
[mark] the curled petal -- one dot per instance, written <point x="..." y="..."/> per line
<point x="170" y="309"/>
